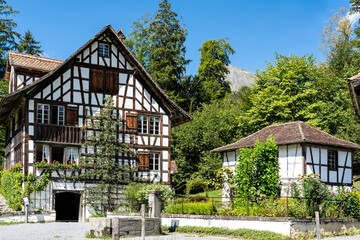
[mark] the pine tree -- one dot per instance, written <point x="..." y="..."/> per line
<point x="8" y="35"/>
<point x="104" y="174"/>
<point x="28" y="45"/>
<point x="167" y="53"/>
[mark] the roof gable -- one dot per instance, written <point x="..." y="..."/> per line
<point x="289" y="133"/>
<point x="84" y="54"/>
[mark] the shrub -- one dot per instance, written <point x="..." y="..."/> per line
<point x="205" y="208"/>
<point x="257" y="171"/>
<point x="11" y="186"/>
<point x="137" y="194"/>
<point x="199" y="198"/>
<point x="11" y="181"/>
<point x="346" y="202"/>
<point x="243" y="233"/>
<point x="196" y="185"/>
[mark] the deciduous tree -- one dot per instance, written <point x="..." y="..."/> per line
<point x="214" y="59"/>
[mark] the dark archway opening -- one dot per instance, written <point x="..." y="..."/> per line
<point x="67" y="206"/>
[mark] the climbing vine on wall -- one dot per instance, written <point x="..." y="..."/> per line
<point x="257" y="172"/>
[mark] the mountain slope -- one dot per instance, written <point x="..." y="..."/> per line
<point x="239" y="77"/>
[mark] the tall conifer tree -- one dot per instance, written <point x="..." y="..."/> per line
<point x="28" y="45"/>
<point x="167" y="53"/>
<point x="8" y="35"/>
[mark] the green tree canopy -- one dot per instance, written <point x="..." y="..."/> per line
<point x="8" y="35"/>
<point x="28" y="45"/>
<point x="284" y="92"/>
<point x="139" y="41"/>
<point x="214" y="125"/>
<point x="212" y="70"/>
<point x="159" y="44"/>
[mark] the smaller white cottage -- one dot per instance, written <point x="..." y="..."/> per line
<point x="303" y="149"/>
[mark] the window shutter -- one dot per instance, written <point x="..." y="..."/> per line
<point x="143" y="161"/>
<point x="131" y="123"/>
<point x="96" y="79"/>
<point x="71" y="116"/>
<point x="112" y="82"/>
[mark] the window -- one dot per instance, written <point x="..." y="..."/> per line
<point x="142" y="124"/>
<point x="104" y="50"/>
<point x="154" y="125"/>
<point x="154" y="161"/>
<point x="104" y="81"/>
<point x="57" y="115"/>
<point x="45" y="153"/>
<point x="43" y="111"/>
<point x="71" y="154"/>
<point x="332" y="160"/>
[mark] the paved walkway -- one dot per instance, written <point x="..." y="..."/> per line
<point x="77" y="231"/>
<point x="73" y="231"/>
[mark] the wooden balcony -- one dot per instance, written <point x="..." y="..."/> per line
<point x="59" y="134"/>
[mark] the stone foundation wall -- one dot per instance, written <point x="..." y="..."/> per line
<point x="125" y="226"/>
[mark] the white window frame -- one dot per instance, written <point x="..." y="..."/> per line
<point x="104" y="50"/>
<point x="41" y="111"/>
<point x="142" y="124"/>
<point x="60" y="115"/>
<point x="45" y="154"/>
<point x="154" y="161"/>
<point x="154" y="125"/>
<point x="72" y="155"/>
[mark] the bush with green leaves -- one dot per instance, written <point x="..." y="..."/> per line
<point x="346" y="202"/>
<point x="196" y="185"/>
<point x="203" y="208"/>
<point x="11" y="185"/>
<point x="137" y="194"/>
<point x="238" y="233"/>
<point x="257" y="171"/>
<point x="314" y="191"/>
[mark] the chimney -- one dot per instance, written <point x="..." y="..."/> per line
<point x="121" y="34"/>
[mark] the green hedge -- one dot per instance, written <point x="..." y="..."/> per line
<point x="243" y="233"/>
<point x="204" y="208"/>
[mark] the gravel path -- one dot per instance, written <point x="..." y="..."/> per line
<point x="73" y="231"/>
<point x="44" y="231"/>
<point x="77" y="231"/>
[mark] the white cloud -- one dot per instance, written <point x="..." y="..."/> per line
<point x="353" y="17"/>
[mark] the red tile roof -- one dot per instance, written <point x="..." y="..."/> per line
<point x="289" y="133"/>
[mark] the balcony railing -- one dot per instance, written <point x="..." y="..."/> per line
<point x="56" y="133"/>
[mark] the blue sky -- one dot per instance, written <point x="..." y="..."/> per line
<point x="256" y="29"/>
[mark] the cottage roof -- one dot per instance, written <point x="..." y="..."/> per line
<point x="289" y="133"/>
<point x="31" y="62"/>
<point x="178" y="115"/>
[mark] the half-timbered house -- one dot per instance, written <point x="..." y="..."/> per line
<point x="303" y="149"/>
<point x="49" y="100"/>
